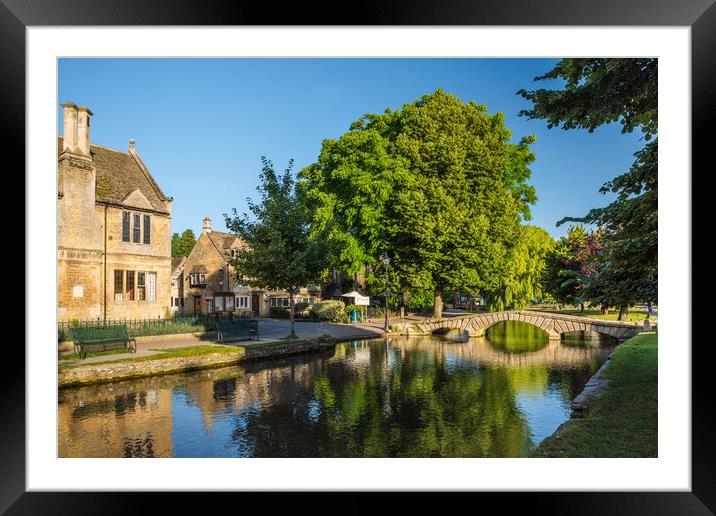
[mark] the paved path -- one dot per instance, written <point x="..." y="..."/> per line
<point x="269" y="330"/>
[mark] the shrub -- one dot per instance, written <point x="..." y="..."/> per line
<point x="330" y="311"/>
<point x="279" y="312"/>
<point x="301" y="309"/>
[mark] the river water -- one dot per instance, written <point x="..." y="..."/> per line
<point x="496" y="396"/>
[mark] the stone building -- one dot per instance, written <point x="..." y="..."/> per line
<point x="209" y="280"/>
<point x="113" y="240"/>
<point x="176" y="298"/>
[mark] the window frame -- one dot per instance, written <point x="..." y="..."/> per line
<point x="147" y="227"/>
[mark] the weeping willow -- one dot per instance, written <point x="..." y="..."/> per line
<point x="523" y="282"/>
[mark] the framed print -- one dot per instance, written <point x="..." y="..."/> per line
<point x="378" y="353"/>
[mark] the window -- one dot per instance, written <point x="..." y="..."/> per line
<point x="242" y="301"/>
<point x="151" y="286"/>
<point x="147" y="229"/>
<point x="219" y="303"/>
<point x="125" y="226"/>
<point x="141" y="287"/>
<point x="234" y="253"/>
<point x="118" y="284"/>
<point x="136" y="229"/>
<point x="196" y="279"/>
<point x="278" y="301"/>
<point x="229" y="303"/>
<point x="130" y="285"/>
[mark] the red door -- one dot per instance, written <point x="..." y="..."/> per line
<point x="255" y="300"/>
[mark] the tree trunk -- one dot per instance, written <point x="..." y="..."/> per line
<point x="605" y="310"/>
<point x="438" y="309"/>
<point x="291" y="315"/>
<point x="581" y="307"/>
<point x="403" y="303"/>
<point x="623" y="311"/>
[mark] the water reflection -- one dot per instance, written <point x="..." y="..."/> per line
<point x="497" y="396"/>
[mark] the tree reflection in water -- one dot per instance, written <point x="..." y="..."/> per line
<point x="408" y="397"/>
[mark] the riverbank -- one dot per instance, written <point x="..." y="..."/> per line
<point x="176" y="360"/>
<point x="622" y="420"/>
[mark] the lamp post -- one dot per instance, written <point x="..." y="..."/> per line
<point x="386" y="262"/>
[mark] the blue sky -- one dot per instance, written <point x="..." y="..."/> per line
<point x="202" y="125"/>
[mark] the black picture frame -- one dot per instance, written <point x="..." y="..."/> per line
<point x="700" y="15"/>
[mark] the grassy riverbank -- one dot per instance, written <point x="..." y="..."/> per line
<point x="622" y="420"/>
<point x="188" y="358"/>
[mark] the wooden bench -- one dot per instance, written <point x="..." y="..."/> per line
<point x="102" y="338"/>
<point x="235" y="329"/>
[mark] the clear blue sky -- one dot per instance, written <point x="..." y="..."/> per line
<point x="202" y="125"/>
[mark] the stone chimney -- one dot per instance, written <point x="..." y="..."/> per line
<point x="69" y="138"/>
<point x="76" y="129"/>
<point x="207" y="225"/>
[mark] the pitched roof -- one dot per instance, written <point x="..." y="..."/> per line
<point x="121" y="173"/>
<point x="222" y="240"/>
<point x="177" y="262"/>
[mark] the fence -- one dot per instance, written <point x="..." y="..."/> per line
<point x="143" y="327"/>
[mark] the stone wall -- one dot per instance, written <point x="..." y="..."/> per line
<point x="119" y="370"/>
<point x="138" y="257"/>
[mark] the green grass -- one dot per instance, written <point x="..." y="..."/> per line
<point x="191" y="351"/>
<point x="188" y="351"/>
<point x="633" y="314"/>
<point x="622" y="420"/>
<point x="76" y="356"/>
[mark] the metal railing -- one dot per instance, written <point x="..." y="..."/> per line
<point x="149" y="326"/>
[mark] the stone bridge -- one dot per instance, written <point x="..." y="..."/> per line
<point x="554" y="324"/>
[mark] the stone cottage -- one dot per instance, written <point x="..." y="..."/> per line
<point x="209" y="280"/>
<point x="113" y="239"/>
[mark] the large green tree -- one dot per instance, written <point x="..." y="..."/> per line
<point x="602" y="91"/>
<point x="279" y="254"/>
<point x="176" y="245"/>
<point x="188" y="240"/>
<point x="524" y="281"/>
<point x="436" y="185"/>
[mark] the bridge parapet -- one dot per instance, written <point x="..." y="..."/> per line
<point x="554" y="324"/>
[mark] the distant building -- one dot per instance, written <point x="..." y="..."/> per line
<point x="113" y="240"/>
<point x="206" y="280"/>
<point x="176" y="297"/>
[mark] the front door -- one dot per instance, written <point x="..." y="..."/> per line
<point x="197" y="305"/>
<point x="255" y="308"/>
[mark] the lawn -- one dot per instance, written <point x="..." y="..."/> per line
<point x="634" y="314"/>
<point x="76" y="356"/>
<point x="187" y="351"/>
<point x="622" y="421"/>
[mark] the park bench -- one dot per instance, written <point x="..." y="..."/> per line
<point x="234" y="329"/>
<point x="102" y="338"/>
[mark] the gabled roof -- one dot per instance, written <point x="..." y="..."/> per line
<point x="119" y="174"/>
<point x="177" y="262"/>
<point x="222" y="240"/>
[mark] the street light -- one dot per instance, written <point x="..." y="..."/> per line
<point x="386" y="262"/>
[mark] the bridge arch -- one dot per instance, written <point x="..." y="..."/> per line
<point x="555" y="325"/>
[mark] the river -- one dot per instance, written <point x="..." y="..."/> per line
<point x="495" y="396"/>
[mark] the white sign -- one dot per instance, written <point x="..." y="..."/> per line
<point x="78" y="291"/>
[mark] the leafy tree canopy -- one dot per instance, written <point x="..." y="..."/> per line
<point x="602" y="91"/>
<point x="525" y="279"/>
<point x="278" y="254"/>
<point x="436" y="184"/>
